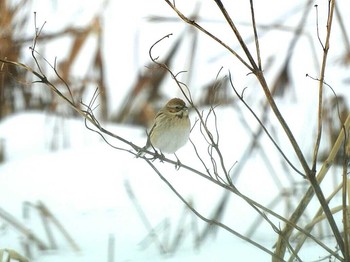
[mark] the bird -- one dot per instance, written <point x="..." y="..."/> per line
<point x="170" y="129"/>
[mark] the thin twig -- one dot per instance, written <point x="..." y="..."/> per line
<point x="264" y="128"/>
<point x="317" y="28"/>
<point x="256" y="38"/>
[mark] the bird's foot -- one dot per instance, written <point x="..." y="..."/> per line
<point x="158" y="155"/>
<point x="178" y="163"/>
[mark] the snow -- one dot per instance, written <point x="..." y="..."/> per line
<point x="85" y="187"/>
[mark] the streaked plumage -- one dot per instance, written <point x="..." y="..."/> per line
<point x="171" y="127"/>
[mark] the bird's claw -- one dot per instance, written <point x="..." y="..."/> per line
<point x="178" y="163"/>
<point x="159" y="156"/>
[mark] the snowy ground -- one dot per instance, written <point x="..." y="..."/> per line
<point x="85" y="188"/>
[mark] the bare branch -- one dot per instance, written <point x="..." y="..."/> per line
<point x="256" y="38"/>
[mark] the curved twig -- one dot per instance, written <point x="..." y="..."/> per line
<point x="240" y="97"/>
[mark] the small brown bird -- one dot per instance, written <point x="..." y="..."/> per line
<point x="171" y="127"/>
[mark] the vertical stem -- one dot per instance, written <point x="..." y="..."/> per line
<point x="237" y="34"/>
<point x="345" y="215"/>
<point x="346" y="195"/>
<point x="320" y="92"/>
<point x="256" y="38"/>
